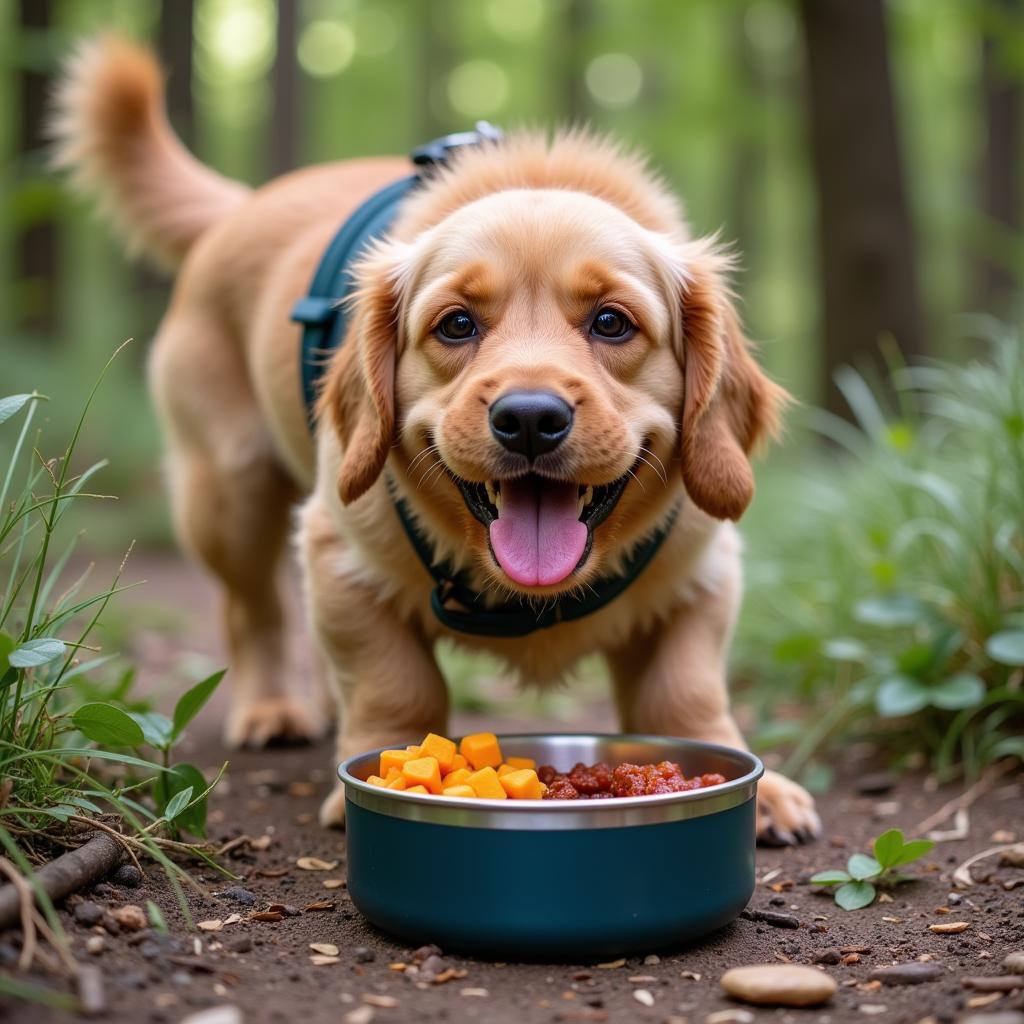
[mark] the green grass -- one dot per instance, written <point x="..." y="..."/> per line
<point x="885" y="596"/>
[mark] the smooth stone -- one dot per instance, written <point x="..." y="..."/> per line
<point x="1014" y="962"/>
<point x="912" y="973"/>
<point x="127" y="875"/>
<point x="239" y="895"/>
<point x="779" y="985"/>
<point x="998" y="1017"/>
<point x="827" y="956"/>
<point x="363" y="955"/>
<point x="87" y="913"/>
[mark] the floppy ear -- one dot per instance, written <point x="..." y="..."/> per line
<point x="358" y="398"/>
<point x="729" y="404"/>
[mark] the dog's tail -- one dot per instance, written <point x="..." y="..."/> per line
<point x="110" y="130"/>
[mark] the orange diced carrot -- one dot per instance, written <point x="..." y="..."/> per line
<point x="423" y="771"/>
<point x="457" y="777"/>
<point x="397" y="783"/>
<point x="504" y="769"/>
<point x="485" y="784"/>
<point x="459" y="791"/>
<point x="522" y="784"/>
<point x="393" y="759"/>
<point x="417" y="789"/>
<point x="392" y="773"/>
<point x="481" y="750"/>
<point x="458" y="761"/>
<point x="441" y="748"/>
<point x="376" y="780"/>
<point x="521" y="762"/>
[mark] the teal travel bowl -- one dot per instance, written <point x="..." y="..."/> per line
<point x="557" y="879"/>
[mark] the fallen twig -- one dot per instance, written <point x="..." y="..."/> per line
<point x="97" y="857"/>
<point x="966" y="798"/>
<point x="962" y="875"/>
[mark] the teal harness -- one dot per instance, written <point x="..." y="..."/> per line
<point x="324" y="318"/>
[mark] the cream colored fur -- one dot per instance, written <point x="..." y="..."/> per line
<point x="531" y="233"/>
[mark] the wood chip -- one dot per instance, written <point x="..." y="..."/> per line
<point x="260" y="843"/>
<point x="949" y="927"/>
<point x="266" y="915"/>
<point x="611" y="965"/>
<point x="301" y="789"/>
<point x="642" y="979"/>
<point x="449" y="975"/>
<point x="326" y="948"/>
<point x="321" y="960"/>
<point x="233" y="919"/>
<point x="690" y="975"/>
<point x="315" y="864"/>
<point x="400" y="967"/>
<point x="320" y="905"/>
<point x="381" y="1002"/>
<point x="977" y="1002"/>
<point x="213" y="925"/>
<point x="271" y="872"/>
<point x="641" y="995"/>
<point x="480" y="993"/>
<point x="334" y="883"/>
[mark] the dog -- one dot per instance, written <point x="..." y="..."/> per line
<point x="543" y="372"/>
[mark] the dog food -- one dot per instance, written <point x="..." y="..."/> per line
<point x="476" y="769"/>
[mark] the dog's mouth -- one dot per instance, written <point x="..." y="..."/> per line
<point x="541" y="530"/>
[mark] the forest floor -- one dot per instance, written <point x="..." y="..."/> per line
<point x="263" y="968"/>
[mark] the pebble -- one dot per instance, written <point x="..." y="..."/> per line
<point x="872" y="1009"/>
<point x="651" y="960"/>
<point x="433" y="966"/>
<point x="772" y="917"/>
<point x="239" y="944"/>
<point x="875" y="783"/>
<point x="87" y="913"/>
<point x="130" y="917"/>
<point x="95" y="944"/>
<point x="239" y="895"/>
<point x="827" y="956"/>
<point x="91" y="1000"/>
<point x="363" y="955"/>
<point x="912" y="973"/>
<point x="641" y="995"/>
<point x="954" y="898"/>
<point x="421" y="954"/>
<point x="999" y="1017"/>
<point x="216" y="1015"/>
<point x="360" y="1015"/>
<point x="1006" y="983"/>
<point x="779" y="985"/>
<point x="1014" y="962"/>
<point x="730" y="1017"/>
<point x="127" y="875"/>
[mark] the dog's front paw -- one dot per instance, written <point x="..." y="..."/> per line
<point x="332" y="810"/>
<point x="270" y="721"/>
<point x="785" y="812"/>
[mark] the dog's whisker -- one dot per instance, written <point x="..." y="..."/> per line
<point x="424" y="477"/>
<point x="664" y="472"/>
<point x="422" y="455"/>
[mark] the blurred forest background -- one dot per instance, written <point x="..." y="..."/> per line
<point x="865" y="157"/>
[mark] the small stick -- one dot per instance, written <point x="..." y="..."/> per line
<point x="965" y="799"/>
<point x="66" y="874"/>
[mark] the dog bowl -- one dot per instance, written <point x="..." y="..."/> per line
<point x="557" y="879"/>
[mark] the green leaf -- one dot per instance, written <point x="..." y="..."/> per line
<point x="890" y="611"/>
<point x="855" y="895"/>
<point x="844" y="648"/>
<point x="192" y="701"/>
<point x="7" y="643"/>
<point x="156" y="728"/>
<point x="861" y="867"/>
<point x="829" y="878"/>
<point x="156" y="917"/>
<point x="796" y="647"/>
<point x="12" y="404"/>
<point x="912" y="851"/>
<point x="177" y="803"/>
<point x="1006" y="647"/>
<point x="887" y="847"/>
<point x="179" y="778"/>
<point x="103" y="723"/>
<point x="34" y="653"/>
<point x="901" y="695"/>
<point x="963" y="690"/>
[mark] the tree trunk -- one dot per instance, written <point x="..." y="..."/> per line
<point x="284" y="83"/>
<point x="434" y="58"/>
<point x="866" y="239"/>
<point x="35" y="265"/>
<point x="174" y="44"/>
<point x="575" y="103"/>
<point x="997" y="285"/>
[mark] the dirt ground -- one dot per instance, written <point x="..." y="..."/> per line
<point x="263" y="967"/>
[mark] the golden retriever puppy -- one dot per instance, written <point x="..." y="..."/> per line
<point x="541" y="364"/>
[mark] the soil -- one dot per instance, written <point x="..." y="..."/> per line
<point x="264" y="967"/>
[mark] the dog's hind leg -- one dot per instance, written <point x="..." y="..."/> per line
<point x="231" y="502"/>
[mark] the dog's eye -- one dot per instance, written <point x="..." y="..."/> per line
<point x="611" y="325"/>
<point x="457" y="326"/>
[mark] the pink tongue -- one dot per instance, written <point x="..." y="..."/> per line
<point x="537" y="537"/>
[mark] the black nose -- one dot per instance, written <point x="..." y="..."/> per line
<point x="531" y="422"/>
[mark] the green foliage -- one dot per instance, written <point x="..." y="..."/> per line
<point x="858" y="884"/>
<point x="888" y="582"/>
<point x="62" y="732"/>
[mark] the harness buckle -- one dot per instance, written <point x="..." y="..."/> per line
<point x="438" y="151"/>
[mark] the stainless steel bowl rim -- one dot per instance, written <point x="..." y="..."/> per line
<point x="554" y="815"/>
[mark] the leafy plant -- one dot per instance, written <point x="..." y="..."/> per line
<point x="858" y="884"/>
<point x="886" y="581"/>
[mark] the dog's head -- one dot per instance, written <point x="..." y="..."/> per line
<point x="539" y="362"/>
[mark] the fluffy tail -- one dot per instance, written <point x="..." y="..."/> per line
<point x="111" y="132"/>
